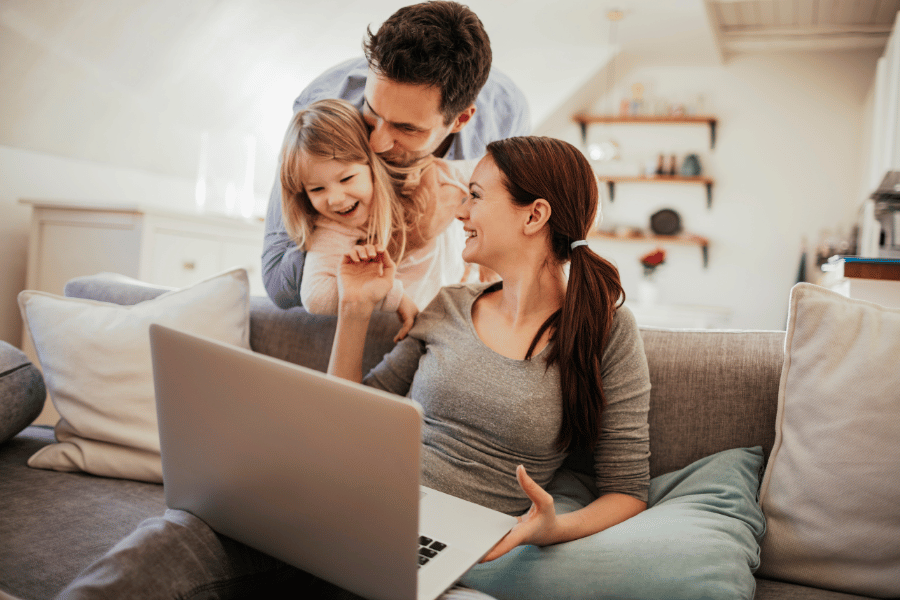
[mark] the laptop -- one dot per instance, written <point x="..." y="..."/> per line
<point x="314" y="470"/>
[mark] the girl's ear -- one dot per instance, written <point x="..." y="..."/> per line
<point x="537" y="217"/>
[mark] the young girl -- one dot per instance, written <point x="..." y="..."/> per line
<point x="337" y="193"/>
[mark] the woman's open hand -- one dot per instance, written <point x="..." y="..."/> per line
<point x="366" y="275"/>
<point x="536" y="527"/>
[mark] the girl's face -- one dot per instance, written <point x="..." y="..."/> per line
<point x="338" y="190"/>
<point x="490" y="219"/>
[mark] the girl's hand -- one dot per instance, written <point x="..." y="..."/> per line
<point x="536" y="527"/>
<point x="440" y="199"/>
<point x="366" y="275"/>
<point x="406" y="312"/>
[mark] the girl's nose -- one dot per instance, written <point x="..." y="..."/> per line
<point x="336" y="196"/>
<point x="462" y="211"/>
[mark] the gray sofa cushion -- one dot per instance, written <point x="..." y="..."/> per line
<point x="767" y="589"/>
<point x="53" y="525"/>
<point x="711" y="391"/>
<point x="22" y="391"/>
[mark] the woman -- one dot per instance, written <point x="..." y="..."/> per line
<point x="527" y="371"/>
<point x="514" y="376"/>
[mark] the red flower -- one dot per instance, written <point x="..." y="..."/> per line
<point x="654" y="259"/>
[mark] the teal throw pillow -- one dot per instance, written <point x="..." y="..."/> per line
<point x="699" y="539"/>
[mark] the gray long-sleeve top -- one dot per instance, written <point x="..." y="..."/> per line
<point x="484" y="413"/>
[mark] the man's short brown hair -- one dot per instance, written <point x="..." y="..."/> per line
<point x="439" y="43"/>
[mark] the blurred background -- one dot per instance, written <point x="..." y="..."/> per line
<point x="785" y="111"/>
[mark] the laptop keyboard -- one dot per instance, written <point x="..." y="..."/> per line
<point x="428" y="549"/>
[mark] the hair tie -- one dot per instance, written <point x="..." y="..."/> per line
<point x="577" y="243"/>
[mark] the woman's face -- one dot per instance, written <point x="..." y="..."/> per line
<point x="339" y="190"/>
<point x="490" y="219"/>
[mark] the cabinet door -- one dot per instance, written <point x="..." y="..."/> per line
<point x="70" y="249"/>
<point x="180" y="260"/>
<point x="248" y="256"/>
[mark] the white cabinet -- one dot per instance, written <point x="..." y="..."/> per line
<point x="162" y="247"/>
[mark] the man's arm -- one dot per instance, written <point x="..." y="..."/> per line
<point x="282" y="260"/>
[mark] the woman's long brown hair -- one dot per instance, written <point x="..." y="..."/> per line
<point x="540" y="167"/>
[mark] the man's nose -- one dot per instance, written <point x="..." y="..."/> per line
<point x="379" y="139"/>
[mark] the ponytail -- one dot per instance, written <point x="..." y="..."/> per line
<point x="593" y="294"/>
<point x="539" y="167"/>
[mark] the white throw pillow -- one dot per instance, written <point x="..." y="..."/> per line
<point x="96" y="362"/>
<point x="831" y="491"/>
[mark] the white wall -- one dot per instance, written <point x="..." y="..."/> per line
<point x="33" y="175"/>
<point x="788" y="165"/>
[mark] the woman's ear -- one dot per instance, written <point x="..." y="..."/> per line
<point x="538" y="215"/>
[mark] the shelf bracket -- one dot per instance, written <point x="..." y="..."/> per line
<point x="705" y="249"/>
<point x="611" y="186"/>
<point x="712" y="134"/>
<point x="708" y="195"/>
<point x="583" y="132"/>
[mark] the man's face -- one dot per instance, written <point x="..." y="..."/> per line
<point x="405" y="121"/>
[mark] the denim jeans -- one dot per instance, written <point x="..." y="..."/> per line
<point x="179" y="557"/>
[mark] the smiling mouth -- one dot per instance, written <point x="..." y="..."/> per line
<point x="470" y="235"/>
<point x="348" y="210"/>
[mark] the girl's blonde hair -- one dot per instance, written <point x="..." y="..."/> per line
<point x="334" y="129"/>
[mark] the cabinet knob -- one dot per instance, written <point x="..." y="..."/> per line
<point x="189" y="265"/>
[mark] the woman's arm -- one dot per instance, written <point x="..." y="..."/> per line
<point x="621" y="457"/>
<point x="541" y="526"/>
<point x="365" y="276"/>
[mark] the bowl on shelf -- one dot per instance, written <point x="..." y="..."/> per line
<point x="665" y="222"/>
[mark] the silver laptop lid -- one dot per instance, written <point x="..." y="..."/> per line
<point x="263" y="451"/>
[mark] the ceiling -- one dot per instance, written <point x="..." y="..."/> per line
<point x="138" y="83"/>
<point x="777" y="25"/>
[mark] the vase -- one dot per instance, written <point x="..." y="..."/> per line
<point x="647" y="292"/>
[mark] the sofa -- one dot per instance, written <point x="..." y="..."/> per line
<point x="712" y="390"/>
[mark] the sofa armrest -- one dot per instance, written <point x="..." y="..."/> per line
<point x="22" y="391"/>
<point x="112" y="287"/>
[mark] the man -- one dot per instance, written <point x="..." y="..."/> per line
<point x="424" y="87"/>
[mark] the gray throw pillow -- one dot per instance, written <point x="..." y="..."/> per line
<point x="22" y="391"/>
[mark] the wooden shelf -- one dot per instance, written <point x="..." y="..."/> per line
<point x="858" y="267"/>
<point x="585" y="119"/>
<point x="612" y="180"/>
<point x="683" y="238"/>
